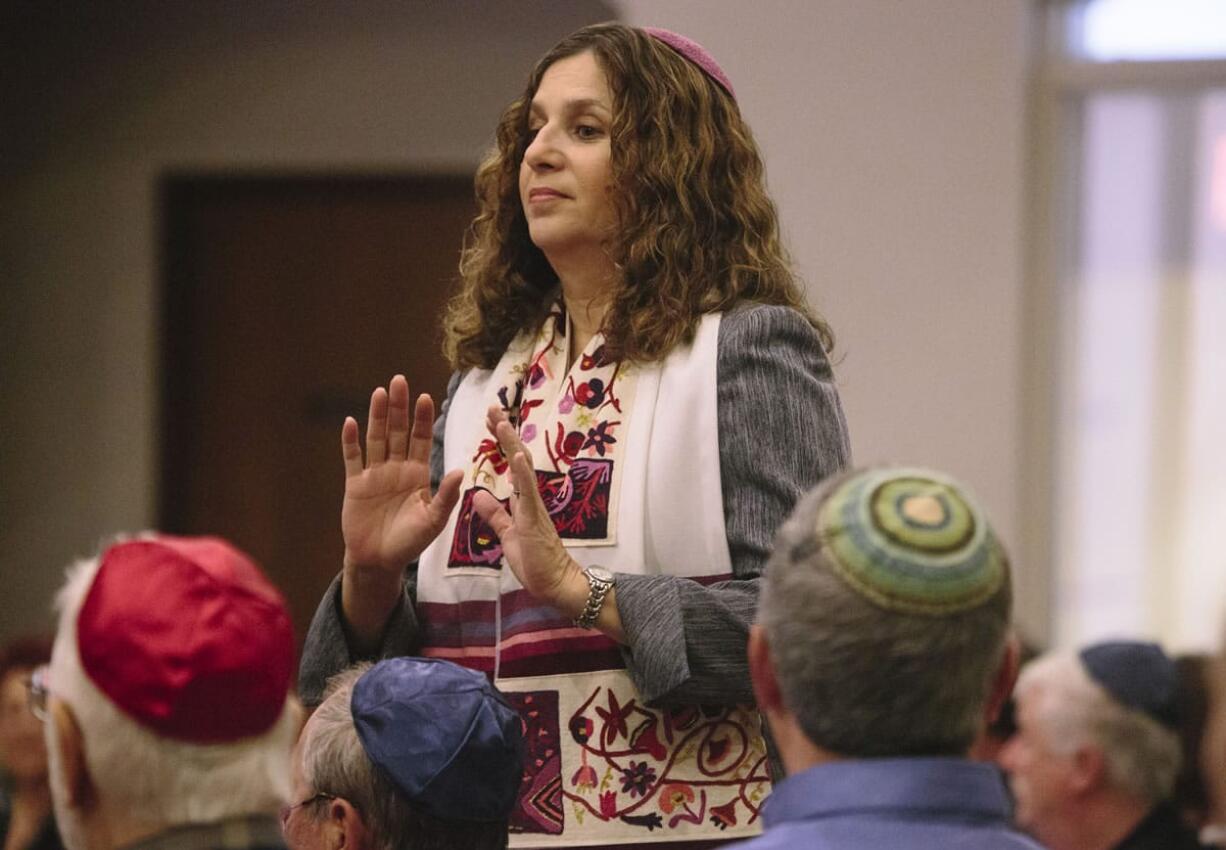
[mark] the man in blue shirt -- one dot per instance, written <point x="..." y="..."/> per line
<point x="881" y="652"/>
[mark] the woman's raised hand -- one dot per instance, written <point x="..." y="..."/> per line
<point x="389" y="516"/>
<point x="529" y="539"/>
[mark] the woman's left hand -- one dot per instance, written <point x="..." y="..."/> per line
<point x="529" y="540"/>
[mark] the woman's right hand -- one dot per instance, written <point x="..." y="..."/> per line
<point x="389" y="516"/>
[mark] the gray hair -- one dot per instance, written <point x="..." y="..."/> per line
<point x="864" y="681"/>
<point x="334" y="762"/>
<point x="1142" y="756"/>
<point x="154" y="780"/>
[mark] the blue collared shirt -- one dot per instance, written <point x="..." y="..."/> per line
<point x="896" y="803"/>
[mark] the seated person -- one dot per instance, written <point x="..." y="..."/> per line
<point x="881" y="653"/>
<point x="1094" y="760"/>
<point x="1193" y="674"/>
<point x="26" y="822"/>
<point x="1213" y="753"/>
<point x="410" y="753"/>
<point x="167" y="704"/>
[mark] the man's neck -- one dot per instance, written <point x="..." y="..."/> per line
<point x="797" y="752"/>
<point x="1100" y="824"/>
<point x="31" y="795"/>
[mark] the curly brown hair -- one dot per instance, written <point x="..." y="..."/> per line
<point x="697" y="231"/>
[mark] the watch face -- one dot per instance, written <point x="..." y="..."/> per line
<point x="600" y="574"/>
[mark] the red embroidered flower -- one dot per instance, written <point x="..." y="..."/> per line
<point x="608" y="804"/>
<point x="724" y="816"/>
<point x="717" y="749"/>
<point x="591" y="361"/>
<point x="572" y="443"/>
<point x="591" y="393"/>
<point x="585" y="777"/>
<point x="645" y="740"/>
<point x="675" y="796"/>
<point x="615" y="717"/>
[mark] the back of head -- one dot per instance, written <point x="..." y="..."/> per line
<point x="427" y="751"/>
<point x="175" y="656"/>
<point x="886" y="605"/>
<point x="1120" y="698"/>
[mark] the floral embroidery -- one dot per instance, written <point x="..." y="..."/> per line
<point x="573" y="449"/>
<point x="675" y="796"/>
<point x="637" y="778"/>
<point x="581" y="729"/>
<point x="724" y="816"/>
<point x="694" y="766"/>
<point x="608" y="804"/>
<point x="598" y="437"/>
<point x="679" y="798"/>
<point x="585" y="776"/>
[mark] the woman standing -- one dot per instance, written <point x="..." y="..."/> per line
<point x="640" y="396"/>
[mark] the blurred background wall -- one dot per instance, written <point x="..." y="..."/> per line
<point x="895" y="136"/>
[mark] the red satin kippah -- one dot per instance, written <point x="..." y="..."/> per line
<point x="186" y="636"/>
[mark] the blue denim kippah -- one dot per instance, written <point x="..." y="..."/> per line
<point x="1136" y="674"/>
<point x="443" y="735"/>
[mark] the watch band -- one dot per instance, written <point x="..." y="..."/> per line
<point x="600" y="582"/>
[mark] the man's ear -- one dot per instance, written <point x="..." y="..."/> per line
<point x="346" y="829"/>
<point x="762" y="671"/>
<point x="1089" y="768"/>
<point x="78" y="784"/>
<point x="1005" y="678"/>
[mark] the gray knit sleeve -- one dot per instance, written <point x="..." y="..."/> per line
<point x="781" y="430"/>
<point x="326" y="651"/>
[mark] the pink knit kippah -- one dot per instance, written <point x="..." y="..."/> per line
<point x="694" y="52"/>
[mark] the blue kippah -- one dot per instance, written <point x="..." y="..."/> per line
<point x="443" y="735"/>
<point x="912" y="541"/>
<point x="1137" y="675"/>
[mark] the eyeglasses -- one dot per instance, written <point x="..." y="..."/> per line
<point x="286" y="811"/>
<point x="37" y="686"/>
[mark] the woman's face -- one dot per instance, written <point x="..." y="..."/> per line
<point x="22" y="751"/>
<point x="565" y="175"/>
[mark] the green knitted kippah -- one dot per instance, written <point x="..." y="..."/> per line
<point x="910" y="540"/>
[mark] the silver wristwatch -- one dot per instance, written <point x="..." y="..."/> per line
<point x="600" y="582"/>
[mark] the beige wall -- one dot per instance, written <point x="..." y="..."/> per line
<point x="895" y="141"/>
<point x="893" y="135"/>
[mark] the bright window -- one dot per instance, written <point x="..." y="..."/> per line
<point x="1109" y="30"/>
<point x="1140" y="462"/>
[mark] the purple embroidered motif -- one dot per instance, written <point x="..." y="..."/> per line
<point x="474" y="543"/>
<point x="539" y="808"/>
